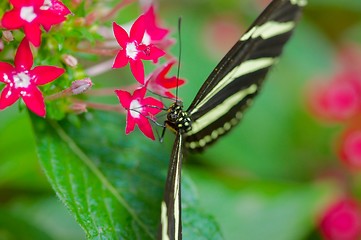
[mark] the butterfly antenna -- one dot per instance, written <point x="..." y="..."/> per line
<point x="180" y="55"/>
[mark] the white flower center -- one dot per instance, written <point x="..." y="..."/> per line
<point x="27" y="14"/>
<point x="135" y="108"/>
<point x="131" y="50"/>
<point x="21" y="80"/>
<point x="46" y="5"/>
<point x="146" y="39"/>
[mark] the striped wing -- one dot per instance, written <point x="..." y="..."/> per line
<point x="230" y="88"/>
<point x="171" y="224"/>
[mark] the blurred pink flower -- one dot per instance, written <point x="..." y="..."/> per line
<point x="158" y="83"/>
<point x="139" y="110"/>
<point x="338" y="99"/>
<point x="350" y="148"/>
<point x="341" y="221"/>
<point x="31" y="14"/>
<point x="22" y="81"/>
<point x="133" y="50"/>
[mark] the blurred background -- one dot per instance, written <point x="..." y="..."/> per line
<point x="290" y="170"/>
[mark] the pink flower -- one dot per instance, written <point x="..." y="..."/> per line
<point x="139" y="109"/>
<point x="160" y="84"/>
<point x="350" y="148"/>
<point x="153" y="33"/>
<point x="342" y="221"/>
<point x="31" y="14"/>
<point x="22" y="81"/>
<point x="133" y="50"/>
<point x="338" y="99"/>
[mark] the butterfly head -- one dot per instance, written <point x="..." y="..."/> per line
<point x="178" y="119"/>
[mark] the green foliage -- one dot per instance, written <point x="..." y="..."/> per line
<point x="259" y="182"/>
<point x="112" y="184"/>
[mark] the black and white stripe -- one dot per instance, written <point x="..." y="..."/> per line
<point x="220" y="103"/>
<point x="171" y="214"/>
<point x="230" y="88"/>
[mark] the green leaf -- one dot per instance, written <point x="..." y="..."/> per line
<point x="111" y="183"/>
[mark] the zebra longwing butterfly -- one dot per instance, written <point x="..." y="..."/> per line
<point x="220" y="103"/>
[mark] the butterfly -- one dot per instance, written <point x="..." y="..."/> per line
<point x="221" y="101"/>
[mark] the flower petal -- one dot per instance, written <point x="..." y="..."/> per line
<point x="139" y="93"/>
<point x="48" y="19"/>
<point x="24" y="57"/>
<point x="121" y="35"/>
<point x="46" y="74"/>
<point x="130" y="124"/>
<point x="34" y="100"/>
<point x="121" y="59"/>
<point x="137" y="68"/>
<point x="36" y="3"/>
<point x="124" y="98"/>
<point x="17" y="3"/>
<point x="5" y="68"/>
<point x="156" y="53"/>
<point x="59" y="8"/>
<point x="11" y="20"/>
<point x="171" y="82"/>
<point x="33" y="33"/>
<point x="138" y="29"/>
<point x="152" y="106"/>
<point x="145" y="127"/>
<point x="8" y="97"/>
<point x="150" y="52"/>
<point x="156" y="33"/>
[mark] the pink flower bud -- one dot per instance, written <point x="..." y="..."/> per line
<point x="8" y="36"/>
<point x="1" y="45"/>
<point x="81" y="86"/>
<point x="69" y="60"/>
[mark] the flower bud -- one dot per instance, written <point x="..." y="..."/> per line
<point x="79" y="108"/>
<point x="69" y="60"/>
<point x="81" y="86"/>
<point x="7" y="36"/>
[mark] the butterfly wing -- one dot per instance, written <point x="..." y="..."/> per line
<point x="171" y="224"/>
<point x="230" y="88"/>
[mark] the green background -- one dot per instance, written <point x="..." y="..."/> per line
<point x="263" y="180"/>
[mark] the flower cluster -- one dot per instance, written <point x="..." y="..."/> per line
<point x="22" y="80"/>
<point x="339" y="101"/>
<point x="145" y="41"/>
<point x="30" y="15"/>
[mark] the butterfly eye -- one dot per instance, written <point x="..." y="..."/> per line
<point x="172" y="116"/>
